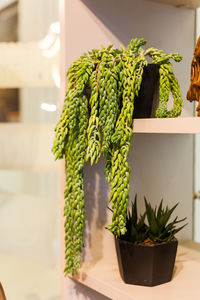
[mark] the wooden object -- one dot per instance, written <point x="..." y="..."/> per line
<point x="193" y="93"/>
<point x="2" y="294"/>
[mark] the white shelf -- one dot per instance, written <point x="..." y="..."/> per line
<point x="103" y="276"/>
<point x="180" y="3"/>
<point x="189" y="125"/>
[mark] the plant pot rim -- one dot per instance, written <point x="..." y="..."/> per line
<point x="174" y="240"/>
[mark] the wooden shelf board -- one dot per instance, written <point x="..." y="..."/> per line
<point x="180" y="3"/>
<point x="103" y="276"/>
<point x="187" y="125"/>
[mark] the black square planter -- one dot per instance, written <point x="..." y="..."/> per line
<point x="146" y="265"/>
<point x="146" y="103"/>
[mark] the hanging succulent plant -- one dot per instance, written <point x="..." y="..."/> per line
<point x="114" y="78"/>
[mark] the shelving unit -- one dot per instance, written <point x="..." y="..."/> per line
<point x="180" y="3"/>
<point x="190" y="125"/>
<point x="103" y="276"/>
<point x="161" y="163"/>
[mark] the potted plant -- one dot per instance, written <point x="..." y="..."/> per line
<point x="97" y="118"/>
<point x="146" y="252"/>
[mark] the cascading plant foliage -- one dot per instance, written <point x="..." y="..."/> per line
<point x="97" y="118"/>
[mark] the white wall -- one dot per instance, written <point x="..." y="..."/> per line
<point x="162" y="165"/>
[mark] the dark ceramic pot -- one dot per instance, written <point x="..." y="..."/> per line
<point x="146" y="265"/>
<point x="146" y="103"/>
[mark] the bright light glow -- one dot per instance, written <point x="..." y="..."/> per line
<point x="55" y="27"/>
<point x="4" y="3"/>
<point x="47" y="42"/>
<point x="48" y="107"/>
<point x="53" y="50"/>
<point x="51" y="37"/>
<point x="56" y="75"/>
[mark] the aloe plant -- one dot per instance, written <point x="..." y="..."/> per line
<point x="136" y="229"/>
<point x="159" y="227"/>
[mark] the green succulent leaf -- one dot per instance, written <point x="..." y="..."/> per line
<point x="136" y="229"/>
<point x="160" y="229"/>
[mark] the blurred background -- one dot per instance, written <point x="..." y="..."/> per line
<point x="29" y="177"/>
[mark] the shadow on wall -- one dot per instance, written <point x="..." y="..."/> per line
<point x="127" y="19"/>
<point x="158" y="171"/>
<point x="96" y="202"/>
<point x="81" y="292"/>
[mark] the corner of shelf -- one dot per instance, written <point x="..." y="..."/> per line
<point x="180" y="125"/>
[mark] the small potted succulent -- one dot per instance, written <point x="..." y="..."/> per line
<point x="146" y="252"/>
